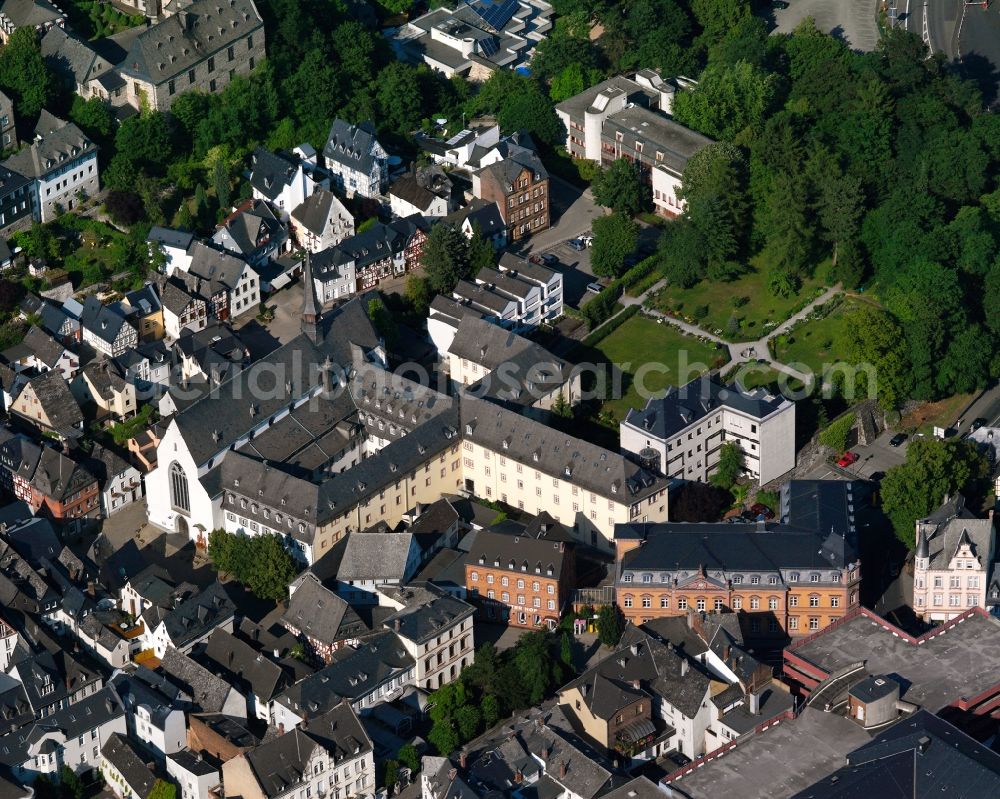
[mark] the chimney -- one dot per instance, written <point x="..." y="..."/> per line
<point x="635" y="684"/>
<point x="923" y="742"/>
<point x="281" y="729"/>
<point x="518" y="777"/>
<point x="462" y="759"/>
<point x="562" y="770"/>
<point x="754" y="700"/>
<point x="726" y="652"/>
<point x="684" y="667"/>
<point x="545" y="753"/>
<point x="397" y="624"/>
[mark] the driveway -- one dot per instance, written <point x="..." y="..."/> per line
<point x="261" y="340"/>
<point x="875" y="457"/>
<point x="850" y="20"/>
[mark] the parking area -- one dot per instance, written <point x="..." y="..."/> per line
<point x="879" y="456"/>
<point x="854" y="21"/>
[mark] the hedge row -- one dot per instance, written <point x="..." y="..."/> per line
<point x="606" y="330"/>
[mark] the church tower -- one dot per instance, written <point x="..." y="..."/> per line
<point x="310" y="307"/>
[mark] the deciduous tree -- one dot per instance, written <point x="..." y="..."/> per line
<point x="615" y="237"/>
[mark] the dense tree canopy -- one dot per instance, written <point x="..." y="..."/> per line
<point x="933" y="470"/>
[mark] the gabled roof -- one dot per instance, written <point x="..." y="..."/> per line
<point x="43" y="346"/>
<point x="272" y="172"/>
<point x="377" y="556"/>
<point x="321" y="615"/>
<point x="506" y="171"/>
<point x="70" y="57"/>
<point x="526" y="555"/>
<point x="30" y="13"/>
<point x="282" y="761"/>
<point x="240" y="664"/>
<point x="353" y="146"/>
<point x="57" y="403"/>
<point x="315" y="212"/>
<point x="252" y="226"/>
<point x="199" y="615"/>
<point x="57" y="144"/>
<point x="104" y="321"/>
<point x="127" y="761"/>
<point x="208" y="691"/>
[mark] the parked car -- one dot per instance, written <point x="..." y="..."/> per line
<point x="587" y="239"/>
<point x="876" y="477"/>
<point x="549" y="258"/>
<point x="780" y="4"/>
<point x="758" y="509"/>
<point x="577" y="244"/>
<point x="597" y="288"/>
<point x="977" y="423"/>
<point x="897" y="439"/>
<point x="847" y="459"/>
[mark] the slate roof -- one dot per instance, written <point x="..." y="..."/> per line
<point x="951" y="525"/>
<point x="760" y="547"/>
<point x="352" y="145"/>
<point x="30" y="13"/>
<point x="10" y="182"/>
<point x="354" y="673"/>
<point x="588" y="466"/>
<point x="347" y="325"/>
<point x="315" y="211"/>
<point x="54" y="318"/>
<point x="422" y="187"/>
<point x="173" y="45"/>
<point x="659" y="668"/>
<point x="679" y="407"/>
<point x="515" y="552"/>
<point x="127" y="760"/>
<point x="68" y="56"/>
<point x="170" y="237"/>
<point x="208" y="691"/>
<point x="213" y="270"/>
<point x="321" y="615"/>
<point x="42" y="346"/>
<point x="57" y="143"/>
<point x="145" y="688"/>
<point x="143" y="301"/>
<point x="239" y="664"/>
<point x="272" y="172"/>
<point x="251" y="227"/>
<point x="821" y="505"/>
<point x="375" y="244"/>
<point x="58" y="476"/>
<point x="427" y="612"/>
<point x="19" y="453"/>
<point x="282" y="761"/>
<point x="175" y="297"/>
<point x="104" y="321"/>
<point x="198" y="615"/>
<point x="484" y="213"/>
<point x="376" y="556"/>
<point x="57" y="402"/>
<point x="919" y="757"/>
<point x="105" y="377"/>
<point x="507" y="170"/>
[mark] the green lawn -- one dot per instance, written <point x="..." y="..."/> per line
<point x="817" y="341"/>
<point x="710" y="304"/>
<point x="643" y="341"/>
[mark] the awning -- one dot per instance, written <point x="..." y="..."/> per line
<point x="636" y="731"/>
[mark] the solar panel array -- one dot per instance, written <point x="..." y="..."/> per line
<point x="488" y="46"/>
<point x="496" y="15"/>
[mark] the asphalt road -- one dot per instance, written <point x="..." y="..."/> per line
<point x="850" y="20"/>
<point x="977" y="46"/>
<point x="942" y="24"/>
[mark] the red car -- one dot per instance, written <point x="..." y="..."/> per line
<point x="847" y="459"/>
<point x="759" y="509"/>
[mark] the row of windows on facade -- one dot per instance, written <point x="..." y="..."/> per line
<point x="697" y="431"/>
<point x="954" y="600"/>
<point x="192" y="73"/>
<point x="62" y="184"/>
<point x="737" y="602"/>
<point x="972" y="581"/>
<point x="633" y="511"/>
<point x="535" y="601"/>
<point x="526" y="197"/>
<point x="471" y="464"/>
<point x="737" y="579"/>
<point x="534" y="223"/>
<point x="439" y="658"/>
<point x="505" y="581"/>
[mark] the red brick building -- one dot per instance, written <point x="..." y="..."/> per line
<point x="520" y="580"/>
<point x="519" y="185"/>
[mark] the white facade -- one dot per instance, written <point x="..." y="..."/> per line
<point x="194" y="317"/>
<point x="666" y="189"/>
<point x="121" y="490"/>
<point x="440" y="659"/>
<point x="459" y="148"/>
<point x="194" y="783"/>
<point x="59" y="188"/>
<point x="692" y="452"/>
<point x="79" y="752"/>
<point x="437" y="208"/>
<point x="162" y="735"/>
<point x="126" y="339"/>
